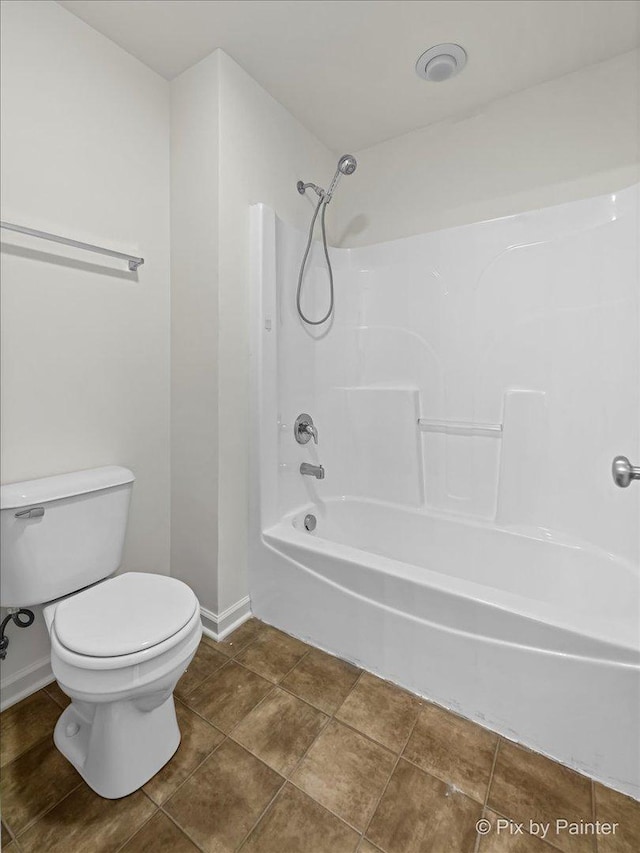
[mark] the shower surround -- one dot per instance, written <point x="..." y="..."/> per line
<point x="469" y="395"/>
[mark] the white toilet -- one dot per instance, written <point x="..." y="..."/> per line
<point x="118" y="644"/>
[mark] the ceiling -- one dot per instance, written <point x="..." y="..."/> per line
<point x="345" y="68"/>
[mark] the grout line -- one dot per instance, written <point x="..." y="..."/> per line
<point x="200" y="683"/>
<point x="493" y="767"/>
<point x="295" y="767"/>
<point x="185" y="699"/>
<point x="341" y="818"/>
<point x="262" y="813"/>
<point x="12" y="835"/>
<point x="260" y="702"/>
<point x="186" y="779"/>
<point x="180" y="827"/>
<point x="142" y="825"/>
<point x="42" y="814"/>
<point x="476" y="846"/>
<point x="330" y="718"/>
<point x="47" y="737"/>
<point x="53" y="697"/>
<point x="393" y="770"/>
<point x="266" y="677"/>
<point x="290" y="774"/>
<point x="434" y="775"/>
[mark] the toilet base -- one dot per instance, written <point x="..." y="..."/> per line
<point x="118" y="746"/>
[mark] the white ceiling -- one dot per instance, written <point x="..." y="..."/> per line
<point x="345" y="68"/>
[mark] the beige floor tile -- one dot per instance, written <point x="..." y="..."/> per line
<point x="381" y="710"/>
<point x="273" y="654"/>
<point x="509" y="839"/>
<point x="33" y="783"/>
<point x="455" y="750"/>
<point x="322" y="680"/>
<point x="198" y="740"/>
<point x="297" y="824"/>
<point x="223" y="799"/>
<point x="280" y="730"/>
<point x="527" y="786"/>
<point x="6" y="836"/>
<point x="226" y="697"/>
<point x="26" y="723"/>
<point x="346" y="773"/>
<point x="86" y="823"/>
<point x="247" y="633"/>
<point x="206" y="661"/>
<point x="420" y="814"/>
<point x="159" y="835"/>
<point x="612" y="807"/>
<point x="59" y="697"/>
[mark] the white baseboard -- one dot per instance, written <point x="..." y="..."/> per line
<point x="25" y="681"/>
<point x="220" y="625"/>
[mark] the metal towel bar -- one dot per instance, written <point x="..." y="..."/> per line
<point x="132" y="260"/>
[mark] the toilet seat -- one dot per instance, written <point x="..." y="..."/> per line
<point x="122" y="616"/>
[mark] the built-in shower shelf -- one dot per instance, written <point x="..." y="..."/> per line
<point x="459" y="427"/>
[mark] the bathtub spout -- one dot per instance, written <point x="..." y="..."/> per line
<point x="316" y="471"/>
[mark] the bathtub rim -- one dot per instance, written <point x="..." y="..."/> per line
<point x="620" y="650"/>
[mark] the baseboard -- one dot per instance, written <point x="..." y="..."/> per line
<point x="25" y="681"/>
<point x="220" y="625"/>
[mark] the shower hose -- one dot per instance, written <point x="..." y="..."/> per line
<point x="322" y="203"/>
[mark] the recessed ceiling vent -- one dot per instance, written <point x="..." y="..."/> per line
<point x="441" y="62"/>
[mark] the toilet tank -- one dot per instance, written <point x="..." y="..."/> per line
<point x="60" y="534"/>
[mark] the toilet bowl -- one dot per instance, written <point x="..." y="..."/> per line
<point x="120" y="643"/>
<point x="118" y="650"/>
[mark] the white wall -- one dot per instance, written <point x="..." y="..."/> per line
<point x="264" y="151"/>
<point x="194" y="329"/>
<point x="232" y="145"/>
<point x="85" y="367"/>
<point x="571" y="138"/>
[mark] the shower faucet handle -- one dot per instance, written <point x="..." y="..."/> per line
<point x="303" y="429"/>
<point x="624" y="472"/>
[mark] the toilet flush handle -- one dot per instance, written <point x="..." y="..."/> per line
<point x="33" y="512"/>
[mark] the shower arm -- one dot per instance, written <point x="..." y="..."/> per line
<point x="302" y="188"/>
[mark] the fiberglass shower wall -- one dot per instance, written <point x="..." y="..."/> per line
<point x="489" y="371"/>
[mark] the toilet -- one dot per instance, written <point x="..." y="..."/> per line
<point x="118" y="644"/>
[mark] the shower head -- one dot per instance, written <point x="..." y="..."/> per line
<point x="346" y="166"/>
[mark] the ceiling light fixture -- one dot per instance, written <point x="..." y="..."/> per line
<point x="441" y="62"/>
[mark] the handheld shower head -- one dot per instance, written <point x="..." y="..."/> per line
<point x="346" y="166"/>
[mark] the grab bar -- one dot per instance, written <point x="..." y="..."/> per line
<point x="460" y="427"/>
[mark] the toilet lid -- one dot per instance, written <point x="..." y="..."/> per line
<point x="123" y="615"/>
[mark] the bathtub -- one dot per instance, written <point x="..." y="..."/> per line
<point x="486" y="562"/>
<point x="494" y="624"/>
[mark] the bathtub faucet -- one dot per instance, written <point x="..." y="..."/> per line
<point x="304" y="429"/>
<point x="316" y="471"/>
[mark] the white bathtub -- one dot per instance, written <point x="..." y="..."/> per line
<point x="471" y="578"/>
<point x="470" y="395"/>
<point x="501" y="626"/>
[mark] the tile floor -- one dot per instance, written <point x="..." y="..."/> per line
<point x="288" y="750"/>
